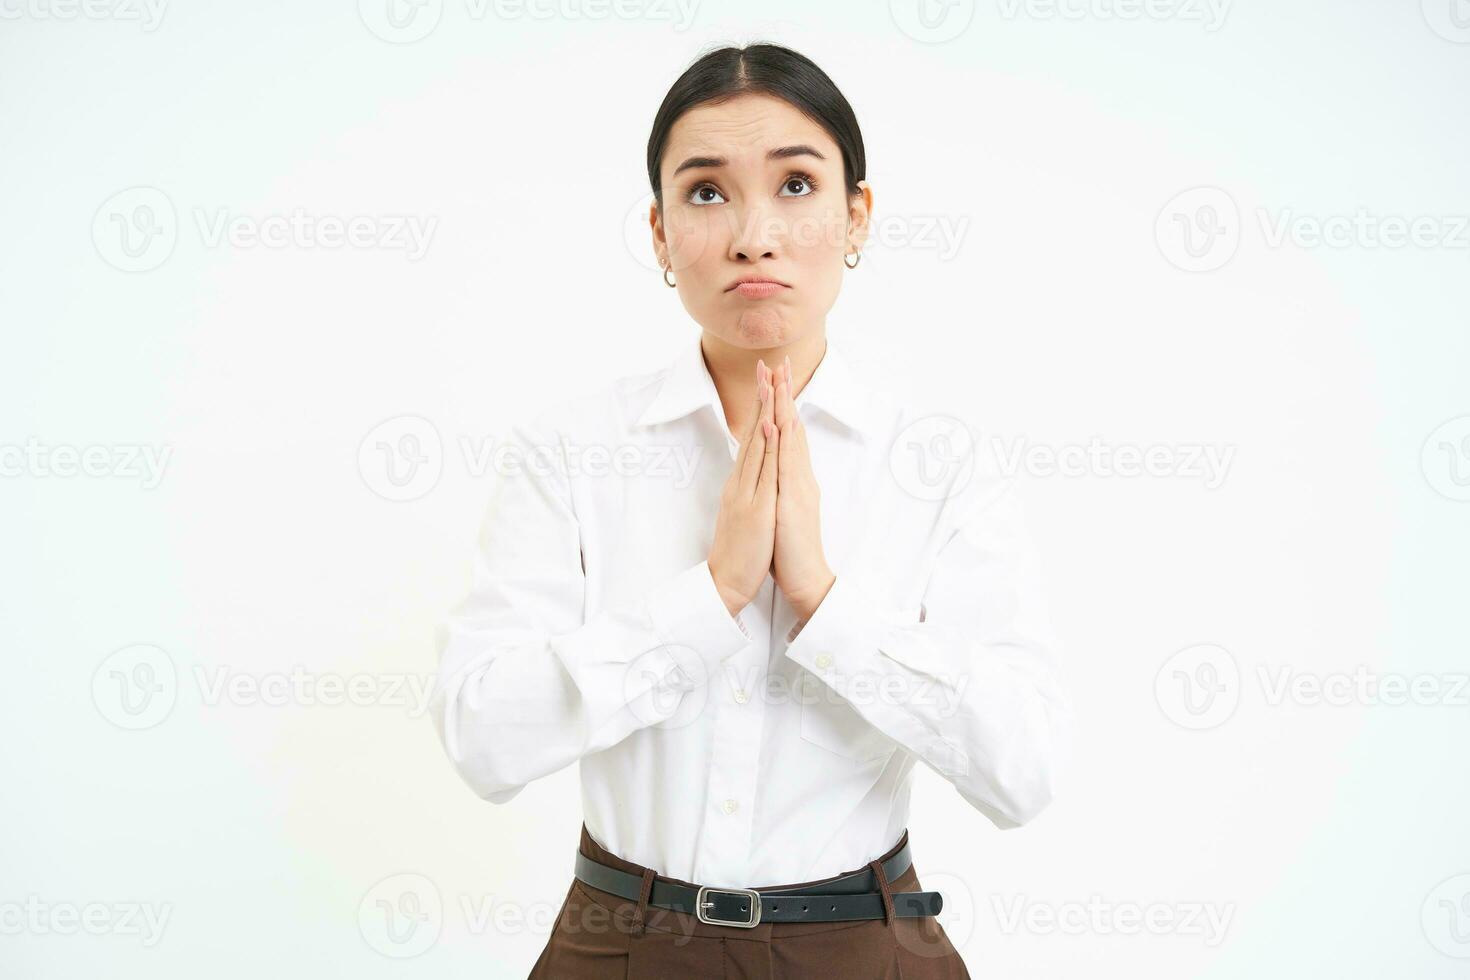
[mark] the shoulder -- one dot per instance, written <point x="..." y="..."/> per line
<point x="608" y="411"/>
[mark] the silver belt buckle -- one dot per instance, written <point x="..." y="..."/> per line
<point x="753" y="897"/>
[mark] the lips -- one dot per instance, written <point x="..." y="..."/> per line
<point x="757" y="288"/>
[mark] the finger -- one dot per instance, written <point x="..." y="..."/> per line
<point x="766" y="488"/>
<point x="754" y="449"/>
<point x="789" y="459"/>
<point x="783" y="397"/>
<point x="785" y="412"/>
<point x="768" y="410"/>
<point x="771" y="379"/>
<point x="750" y="432"/>
<point x="742" y="448"/>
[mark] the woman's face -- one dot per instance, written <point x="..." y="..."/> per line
<point x="753" y="188"/>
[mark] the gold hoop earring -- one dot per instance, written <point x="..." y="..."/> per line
<point x="855" y="262"/>
<point x="667" y="281"/>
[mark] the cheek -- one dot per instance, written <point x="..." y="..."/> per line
<point x="692" y="234"/>
<point x="817" y="232"/>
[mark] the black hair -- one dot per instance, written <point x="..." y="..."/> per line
<point x="769" y="69"/>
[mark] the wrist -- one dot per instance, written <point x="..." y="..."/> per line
<point x="734" y="601"/>
<point x="806" y="600"/>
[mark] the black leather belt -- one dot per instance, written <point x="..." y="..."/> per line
<point x="853" y="896"/>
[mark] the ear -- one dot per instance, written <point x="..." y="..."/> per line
<point x="859" y="215"/>
<point x="656" y="225"/>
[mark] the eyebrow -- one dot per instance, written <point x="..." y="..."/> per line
<point x="780" y="153"/>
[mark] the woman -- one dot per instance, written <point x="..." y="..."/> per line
<point x="748" y="593"/>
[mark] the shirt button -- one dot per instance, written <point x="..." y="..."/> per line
<point x="824" y="661"/>
<point x="741" y="697"/>
<point x="730" y="806"/>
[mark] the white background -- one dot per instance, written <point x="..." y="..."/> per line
<point x="1049" y="144"/>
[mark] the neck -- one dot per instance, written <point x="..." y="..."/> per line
<point x="733" y="371"/>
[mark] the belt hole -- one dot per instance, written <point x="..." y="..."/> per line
<point x="803" y="908"/>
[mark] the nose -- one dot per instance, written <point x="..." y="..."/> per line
<point x="755" y="237"/>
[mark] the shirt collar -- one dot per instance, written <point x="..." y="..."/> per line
<point x="834" y="389"/>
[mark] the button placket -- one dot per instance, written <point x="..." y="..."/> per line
<point x="736" y="731"/>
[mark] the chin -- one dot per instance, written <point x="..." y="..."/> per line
<point x="760" y="328"/>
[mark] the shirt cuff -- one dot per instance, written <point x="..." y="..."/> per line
<point x="841" y="637"/>
<point x="688" y="612"/>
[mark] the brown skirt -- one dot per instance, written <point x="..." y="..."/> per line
<point x="601" y="936"/>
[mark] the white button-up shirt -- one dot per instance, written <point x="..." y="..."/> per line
<point x="749" y="750"/>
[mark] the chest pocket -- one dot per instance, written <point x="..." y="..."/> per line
<point x="828" y="721"/>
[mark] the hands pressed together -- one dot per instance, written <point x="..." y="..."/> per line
<point x="770" y="513"/>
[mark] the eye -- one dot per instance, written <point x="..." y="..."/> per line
<point x="799" y="185"/>
<point x="705" y="194"/>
